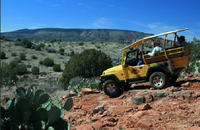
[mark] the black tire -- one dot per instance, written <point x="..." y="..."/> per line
<point x="127" y="87"/>
<point x="158" y="80"/>
<point x="112" y="89"/>
<point x="173" y="79"/>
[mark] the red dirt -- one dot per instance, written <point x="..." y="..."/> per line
<point x="179" y="108"/>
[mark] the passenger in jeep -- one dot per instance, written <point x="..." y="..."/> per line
<point x="157" y="47"/>
<point x="181" y="41"/>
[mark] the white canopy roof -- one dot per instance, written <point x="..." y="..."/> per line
<point x="141" y="41"/>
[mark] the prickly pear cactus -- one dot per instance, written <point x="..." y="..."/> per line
<point x="34" y="110"/>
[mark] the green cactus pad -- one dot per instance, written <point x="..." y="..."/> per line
<point x="53" y="114"/>
<point x="21" y="92"/>
<point x="68" y="104"/>
<point x="43" y="98"/>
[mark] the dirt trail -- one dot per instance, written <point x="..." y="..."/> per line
<point x="175" y="107"/>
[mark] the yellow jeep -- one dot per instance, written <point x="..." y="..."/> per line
<point x="160" y="70"/>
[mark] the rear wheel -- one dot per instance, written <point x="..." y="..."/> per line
<point x="112" y="89"/>
<point x="158" y="80"/>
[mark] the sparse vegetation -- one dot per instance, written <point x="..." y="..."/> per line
<point x="13" y="54"/>
<point x="22" y="56"/>
<point x="27" y="43"/>
<point x="81" y="44"/>
<point x="35" y="70"/>
<point x="39" y="47"/>
<point x="10" y="71"/>
<point x="28" y="66"/>
<point x="16" y="60"/>
<point x="57" y="68"/>
<point x="194" y="64"/>
<point x="18" y="39"/>
<point x="33" y="57"/>
<point x="89" y="63"/>
<point x="48" y="62"/>
<point x="21" y="69"/>
<point x="61" y="51"/>
<point x="2" y="55"/>
<point x="51" y="50"/>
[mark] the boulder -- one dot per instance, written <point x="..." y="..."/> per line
<point x="99" y="109"/>
<point x="160" y="94"/>
<point x="138" y="100"/>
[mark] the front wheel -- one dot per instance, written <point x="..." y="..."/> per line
<point x="158" y="80"/>
<point x="111" y="88"/>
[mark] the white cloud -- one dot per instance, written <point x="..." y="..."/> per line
<point x="156" y="28"/>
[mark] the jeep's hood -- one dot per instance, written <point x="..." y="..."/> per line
<point x="113" y="70"/>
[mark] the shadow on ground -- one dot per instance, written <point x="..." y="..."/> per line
<point x="175" y="84"/>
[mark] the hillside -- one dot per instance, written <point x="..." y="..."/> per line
<point x="101" y="35"/>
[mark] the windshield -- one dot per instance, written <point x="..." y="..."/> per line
<point x="131" y="57"/>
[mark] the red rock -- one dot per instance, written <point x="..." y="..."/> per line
<point x="107" y="123"/>
<point x="86" y="90"/>
<point x="143" y="124"/>
<point x="84" y="127"/>
<point x="89" y="90"/>
<point x="187" y="84"/>
<point x="97" y="125"/>
<point x="117" y="110"/>
<point x="145" y="107"/>
<point x="77" y="106"/>
<point x="193" y="128"/>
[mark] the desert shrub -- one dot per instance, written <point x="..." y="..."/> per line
<point x="51" y="50"/>
<point x="33" y="57"/>
<point x="28" y="66"/>
<point x="19" y="43"/>
<point x="21" y="69"/>
<point x="61" y="51"/>
<point x="199" y="69"/>
<point x="2" y="37"/>
<point x="191" y="68"/>
<point x="8" y="73"/>
<point x="2" y="55"/>
<point x="71" y="53"/>
<point x="87" y="64"/>
<point x="16" y="60"/>
<point x="81" y="44"/>
<point x="77" y="83"/>
<point x="33" y="109"/>
<point x="27" y="43"/>
<point x="18" y="39"/>
<point x="22" y="56"/>
<point x="41" y="62"/>
<point x="57" y="68"/>
<point x="35" y="70"/>
<point x="13" y="54"/>
<point x="39" y="46"/>
<point x="48" y="62"/>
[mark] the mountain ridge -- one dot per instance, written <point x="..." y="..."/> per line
<point x="76" y="34"/>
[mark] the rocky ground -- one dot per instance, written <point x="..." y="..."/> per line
<point x="175" y="107"/>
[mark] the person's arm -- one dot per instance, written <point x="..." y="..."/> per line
<point x="153" y="52"/>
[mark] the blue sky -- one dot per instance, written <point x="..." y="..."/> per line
<point x="150" y="16"/>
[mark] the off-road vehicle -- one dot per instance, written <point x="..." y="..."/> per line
<point x="159" y="70"/>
